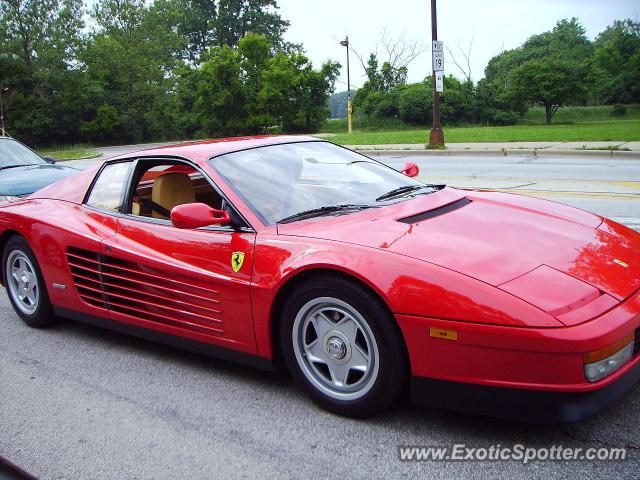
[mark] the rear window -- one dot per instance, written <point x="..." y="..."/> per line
<point x="107" y="190"/>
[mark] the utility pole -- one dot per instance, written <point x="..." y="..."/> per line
<point x="2" y="90"/>
<point x="345" y="43"/>
<point x="436" y="136"/>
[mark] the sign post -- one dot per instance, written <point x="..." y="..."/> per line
<point x="436" y="136"/>
<point x="2" y="90"/>
<point x="345" y="43"/>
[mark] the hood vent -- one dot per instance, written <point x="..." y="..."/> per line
<point x="436" y="212"/>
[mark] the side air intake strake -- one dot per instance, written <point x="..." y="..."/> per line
<point x="436" y="212"/>
<point x="125" y="287"/>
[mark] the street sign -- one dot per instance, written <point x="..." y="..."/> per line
<point x="438" y="61"/>
<point x="437" y="48"/>
<point x="439" y="81"/>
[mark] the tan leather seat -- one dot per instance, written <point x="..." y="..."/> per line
<point x="172" y="189"/>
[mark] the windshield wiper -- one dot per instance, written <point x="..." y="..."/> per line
<point x="316" y="212"/>
<point x="16" y="166"/>
<point x="396" y="192"/>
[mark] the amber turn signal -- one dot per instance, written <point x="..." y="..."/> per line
<point x="609" y="350"/>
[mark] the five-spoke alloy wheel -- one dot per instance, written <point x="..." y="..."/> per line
<point x="23" y="279"/>
<point x="335" y="348"/>
<point x="343" y="346"/>
<point x="22" y="282"/>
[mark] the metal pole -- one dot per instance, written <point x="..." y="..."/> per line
<point x="345" y="43"/>
<point x="436" y="136"/>
<point x="349" y="105"/>
<point x="2" y="110"/>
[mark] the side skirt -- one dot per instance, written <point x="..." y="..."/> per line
<point x="202" y="348"/>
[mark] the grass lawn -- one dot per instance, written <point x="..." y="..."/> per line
<point x="609" y="130"/>
<point x="69" y="153"/>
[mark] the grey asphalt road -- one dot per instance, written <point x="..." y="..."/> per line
<point x="79" y="402"/>
<point x="606" y="186"/>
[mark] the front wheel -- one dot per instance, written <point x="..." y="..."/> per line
<point x="342" y="345"/>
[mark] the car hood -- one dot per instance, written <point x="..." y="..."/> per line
<point x="21" y="181"/>
<point x="496" y="238"/>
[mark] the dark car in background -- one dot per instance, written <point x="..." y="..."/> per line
<point x="23" y="171"/>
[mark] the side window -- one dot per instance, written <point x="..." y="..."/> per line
<point x="159" y="187"/>
<point x="107" y="189"/>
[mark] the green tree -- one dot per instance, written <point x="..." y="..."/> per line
<point x="523" y="76"/>
<point x="617" y="63"/>
<point x="39" y="41"/>
<point x="550" y="83"/>
<point x="220" y="93"/>
<point x="131" y="61"/>
<point x="383" y="78"/>
<point x="210" y="23"/>
<point x="295" y="95"/>
<point x="314" y="88"/>
<point x="251" y="89"/>
<point x="103" y="124"/>
<point x="379" y="95"/>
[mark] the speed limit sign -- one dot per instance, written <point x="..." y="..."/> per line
<point x="438" y="56"/>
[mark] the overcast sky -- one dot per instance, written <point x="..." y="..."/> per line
<point x="495" y="25"/>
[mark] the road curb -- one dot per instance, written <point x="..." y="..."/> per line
<point x="437" y="153"/>
<point x="87" y="157"/>
<point x="519" y="152"/>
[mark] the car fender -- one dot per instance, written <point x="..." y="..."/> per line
<point x="406" y="285"/>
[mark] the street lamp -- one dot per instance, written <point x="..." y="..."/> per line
<point x="2" y="90"/>
<point x="436" y="136"/>
<point x="345" y="43"/>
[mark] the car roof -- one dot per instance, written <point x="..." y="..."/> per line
<point x="206" y="149"/>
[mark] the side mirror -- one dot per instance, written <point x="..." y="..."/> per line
<point x="196" y="215"/>
<point x="50" y="160"/>
<point x="410" y="170"/>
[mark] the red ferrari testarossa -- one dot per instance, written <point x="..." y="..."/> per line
<point x="362" y="280"/>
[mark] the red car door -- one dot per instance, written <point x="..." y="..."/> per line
<point x="191" y="283"/>
<point x="181" y="281"/>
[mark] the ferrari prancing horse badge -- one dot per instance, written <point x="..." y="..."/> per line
<point x="237" y="258"/>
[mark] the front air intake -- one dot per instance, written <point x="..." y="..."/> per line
<point x="436" y="212"/>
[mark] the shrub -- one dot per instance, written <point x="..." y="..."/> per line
<point x="103" y="123"/>
<point x="415" y="104"/>
<point x="618" y="110"/>
<point x="376" y="104"/>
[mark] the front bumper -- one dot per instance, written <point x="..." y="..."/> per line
<point x="524" y="373"/>
<point x="537" y="406"/>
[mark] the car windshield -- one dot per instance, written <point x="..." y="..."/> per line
<point x="13" y="153"/>
<point x="279" y="182"/>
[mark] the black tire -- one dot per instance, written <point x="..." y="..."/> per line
<point x="392" y="373"/>
<point x="43" y="315"/>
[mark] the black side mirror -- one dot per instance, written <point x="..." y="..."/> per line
<point x="50" y="160"/>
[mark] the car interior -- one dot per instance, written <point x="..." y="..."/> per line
<point x="160" y="187"/>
